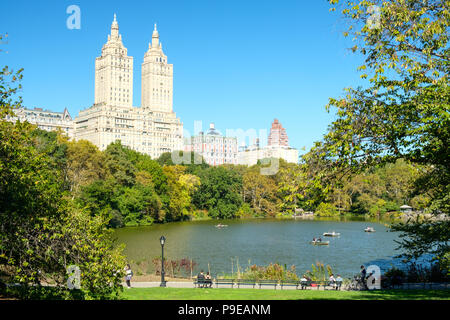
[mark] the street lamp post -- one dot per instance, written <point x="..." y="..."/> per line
<point x="162" y="240"/>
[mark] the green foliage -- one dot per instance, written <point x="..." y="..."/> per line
<point x="119" y="165"/>
<point x="326" y="210"/>
<point x="165" y="159"/>
<point x="85" y="164"/>
<point x="219" y="192"/>
<point x="319" y="272"/>
<point x="41" y="233"/>
<point x="245" y="211"/>
<point x="261" y="192"/>
<point x="394" y="276"/>
<point x="270" y="272"/>
<point x="138" y="205"/>
<point x="403" y="112"/>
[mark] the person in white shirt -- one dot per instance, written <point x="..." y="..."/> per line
<point x="338" y="282"/>
<point x="332" y="281"/>
<point x="303" y="282"/>
<point x="128" y="275"/>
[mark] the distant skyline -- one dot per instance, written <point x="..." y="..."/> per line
<point x="238" y="64"/>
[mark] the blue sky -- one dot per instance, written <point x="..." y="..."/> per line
<point x="239" y="64"/>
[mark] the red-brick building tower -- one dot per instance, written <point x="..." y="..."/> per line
<point x="278" y="136"/>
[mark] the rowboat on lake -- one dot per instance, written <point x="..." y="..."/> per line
<point x="331" y="234"/>
<point x="221" y="225"/>
<point x="369" y="229"/>
<point x="320" y="243"/>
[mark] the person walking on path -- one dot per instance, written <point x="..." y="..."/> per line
<point x="128" y="275"/>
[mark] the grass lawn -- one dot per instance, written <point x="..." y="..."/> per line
<point x="265" y="294"/>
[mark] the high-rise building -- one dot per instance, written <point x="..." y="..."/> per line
<point x="278" y="147"/>
<point x="157" y="78"/>
<point x="114" y="72"/>
<point x="215" y="148"/>
<point x="152" y="128"/>
<point x="45" y="119"/>
<point x="278" y="136"/>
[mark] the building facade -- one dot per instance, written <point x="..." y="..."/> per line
<point x="215" y="148"/>
<point x="250" y="156"/>
<point x="157" y="78"/>
<point x="278" y="147"/>
<point x="152" y="128"/>
<point x="45" y="119"/>
<point x="278" y="136"/>
<point x="114" y="72"/>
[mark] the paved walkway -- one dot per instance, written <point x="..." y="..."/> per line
<point x="188" y="284"/>
<point x="185" y="284"/>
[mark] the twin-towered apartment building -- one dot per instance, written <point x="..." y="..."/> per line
<point x="152" y="128"/>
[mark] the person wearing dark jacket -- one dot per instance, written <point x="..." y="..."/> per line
<point x="201" y="279"/>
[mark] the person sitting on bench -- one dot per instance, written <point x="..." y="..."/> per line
<point x="338" y="282"/>
<point x="332" y="281"/>
<point x="303" y="282"/>
<point x="201" y="279"/>
<point x="208" y="280"/>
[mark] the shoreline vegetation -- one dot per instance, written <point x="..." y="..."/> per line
<point x="389" y="217"/>
<point x="131" y="189"/>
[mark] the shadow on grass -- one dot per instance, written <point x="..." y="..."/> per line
<point x="406" y="294"/>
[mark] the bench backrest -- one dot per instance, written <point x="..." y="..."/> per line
<point x="224" y="280"/>
<point x="267" y="281"/>
<point x="246" y="281"/>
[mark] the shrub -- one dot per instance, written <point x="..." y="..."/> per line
<point x="326" y="210"/>
<point x="319" y="272"/>
<point x="270" y="272"/>
<point x="394" y="276"/>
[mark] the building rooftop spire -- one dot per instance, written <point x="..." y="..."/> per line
<point x="115" y="25"/>
<point x="155" y="33"/>
<point x="115" y="28"/>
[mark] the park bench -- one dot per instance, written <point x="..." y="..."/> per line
<point x="199" y="283"/>
<point x="202" y="283"/>
<point x="268" y="283"/>
<point x="313" y="284"/>
<point x="304" y="284"/>
<point x="229" y="282"/>
<point x="326" y="285"/>
<point x="246" y="282"/>
<point x="319" y="284"/>
<point x="289" y="283"/>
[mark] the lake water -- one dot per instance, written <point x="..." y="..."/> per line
<point x="264" y="241"/>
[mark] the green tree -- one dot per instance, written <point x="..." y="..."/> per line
<point x="40" y="233"/>
<point x="219" y="192"/>
<point x="404" y="110"/>
<point x="261" y="192"/>
<point x="165" y="159"/>
<point x="85" y="164"/>
<point x="119" y="165"/>
<point x="181" y="186"/>
<point x="138" y="205"/>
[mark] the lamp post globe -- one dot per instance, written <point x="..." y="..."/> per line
<point x="162" y="240"/>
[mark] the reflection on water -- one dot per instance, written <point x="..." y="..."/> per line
<point x="264" y="241"/>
